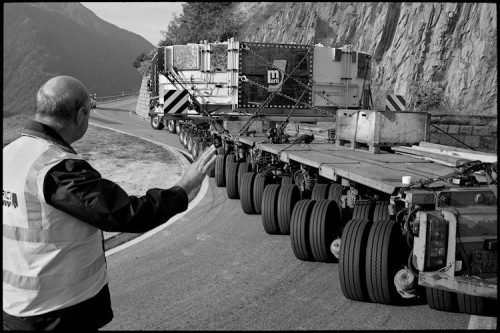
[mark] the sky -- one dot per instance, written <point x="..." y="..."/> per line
<point x="146" y="19"/>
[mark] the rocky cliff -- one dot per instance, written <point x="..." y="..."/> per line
<point x="441" y="56"/>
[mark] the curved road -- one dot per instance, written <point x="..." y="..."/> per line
<point x="215" y="268"/>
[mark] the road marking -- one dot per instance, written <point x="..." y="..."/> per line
<point x="482" y="323"/>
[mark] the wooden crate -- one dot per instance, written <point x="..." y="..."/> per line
<point x="377" y="129"/>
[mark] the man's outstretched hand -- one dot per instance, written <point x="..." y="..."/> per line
<point x="197" y="171"/>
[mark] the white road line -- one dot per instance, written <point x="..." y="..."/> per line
<point x="482" y="323"/>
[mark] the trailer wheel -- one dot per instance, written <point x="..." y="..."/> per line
<point x="270" y="209"/>
<point x="185" y="138"/>
<point x="287" y="198"/>
<point x="476" y="305"/>
<point x="386" y="253"/>
<point x="335" y="192"/>
<point x="286" y="180"/>
<point x="189" y="145"/>
<point x="299" y="229"/>
<point x="178" y="127"/>
<point x="232" y="179"/>
<point x="197" y="147"/>
<point x="242" y="169"/>
<point x="352" y="259"/>
<point x="320" y="192"/>
<point x="363" y="209"/>
<point x="323" y="229"/>
<point x="156" y="123"/>
<point x="181" y="134"/>
<point x="211" y="174"/>
<point x="259" y="185"/>
<point x="381" y="211"/>
<point x="221" y="151"/>
<point x="246" y="193"/>
<point x="171" y="126"/>
<point x="220" y="164"/>
<point x="441" y="300"/>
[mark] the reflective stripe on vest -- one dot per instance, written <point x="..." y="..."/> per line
<point x="51" y="260"/>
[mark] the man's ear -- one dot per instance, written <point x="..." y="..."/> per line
<point x="80" y="115"/>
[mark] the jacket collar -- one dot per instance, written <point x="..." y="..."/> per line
<point x="39" y="130"/>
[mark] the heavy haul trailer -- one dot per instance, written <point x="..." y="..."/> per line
<point x="350" y="202"/>
<point x="218" y="91"/>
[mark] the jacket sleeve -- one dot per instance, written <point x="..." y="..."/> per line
<point x="76" y="188"/>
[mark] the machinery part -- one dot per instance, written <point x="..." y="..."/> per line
<point x="405" y="283"/>
<point x="171" y="126"/>
<point x="246" y="192"/>
<point x="476" y="305"/>
<point x="288" y="196"/>
<point x="381" y="211"/>
<point x="259" y="185"/>
<point x="242" y="169"/>
<point x="286" y="180"/>
<point x="320" y="192"/>
<point x="232" y="179"/>
<point x="156" y="122"/>
<point x="335" y="192"/>
<point x="323" y="229"/>
<point x="352" y="261"/>
<point x="269" y="209"/>
<point x="441" y="300"/>
<point x="386" y="253"/>
<point x="299" y="229"/>
<point x="220" y="165"/>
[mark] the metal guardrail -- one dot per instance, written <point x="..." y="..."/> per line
<point x="116" y="97"/>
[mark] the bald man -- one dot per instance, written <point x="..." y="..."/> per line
<point x="55" y="209"/>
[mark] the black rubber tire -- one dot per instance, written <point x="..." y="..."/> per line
<point x="363" y="209"/>
<point x="381" y="211"/>
<point x="211" y="173"/>
<point x="178" y="127"/>
<point x="286" y="180"/>
<point x="220" y="172"/>
<point x="441" y="300"/>
<point x="289" y="195"/>
<point x="352" y="275"/>
<point x="335" y="192"/>
<point x="181" y="134"/>
<point x="260" y="183"/>
<point x="189" y="144"/>
<point x="229" y="159"/>
<point x="246" y="193"/>
<point x="232" y="180"/>
<point x="324" y="228"/>
<point x="185" y="138"/>
<point x="156" y="123"/>
<point x="171" y="126"/>
<point x="197" y="147"/>
<point x="221" y="151"/>
<point x="320" y="192"/>
<point x="478" y="306"/>
<point x="270" y="209"/>
<point x="242" y="169"/>
<point x="299" y="229"/>
<point x="386" y="253"/>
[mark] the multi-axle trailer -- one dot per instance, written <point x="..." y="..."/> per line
<point x="403" y="223"/>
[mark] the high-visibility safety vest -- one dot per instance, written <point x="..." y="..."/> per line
<point x="51" y="260"/>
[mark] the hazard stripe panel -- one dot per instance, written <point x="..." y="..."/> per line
<point x="175" y="101"/>
<point x="395" y="103"/>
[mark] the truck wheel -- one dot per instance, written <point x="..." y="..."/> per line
<point x="299" y="229"/>
<point x="178" y="127"/>
<point x="232" y="179"/>
<point x="478" y="306"/>
<point x="220" y="164"/>
<point x="289" y="195"/>
<point x="335" y="192"/>
<point x="320" y="191"/>
<point x="352" y="260"/>
<point x="270" y="209"/>
<point x="323" y="229"/>
<point x="286" y="180"/>
<point x="185" y="138"/>
<point x="381" y="211"/>
<point x="189" y="144"/>
<point x="181" y="134"/>
<point x="171" y="126"/>
<point x="259" y="185"/>
<point x="441" y="300"/>
<point x="363" y="209"/>
<point x="197" y="147"/>
<point x="246" y="192"/>
<point x="156" y="123"/>
<point x="386" y="253"/>
<point x="242" y="169"/>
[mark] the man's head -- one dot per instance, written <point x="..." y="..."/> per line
<point x="63" y="103"/>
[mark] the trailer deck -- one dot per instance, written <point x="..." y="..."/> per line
<point x="382" y="171"/>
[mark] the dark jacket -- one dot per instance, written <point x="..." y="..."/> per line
<point x="76" y="188"/>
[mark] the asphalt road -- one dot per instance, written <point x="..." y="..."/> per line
<point x="215" y="268"/>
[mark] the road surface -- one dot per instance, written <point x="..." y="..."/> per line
<point x="215" y="268"/>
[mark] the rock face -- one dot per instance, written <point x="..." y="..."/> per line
<point x="442" y="55"/>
